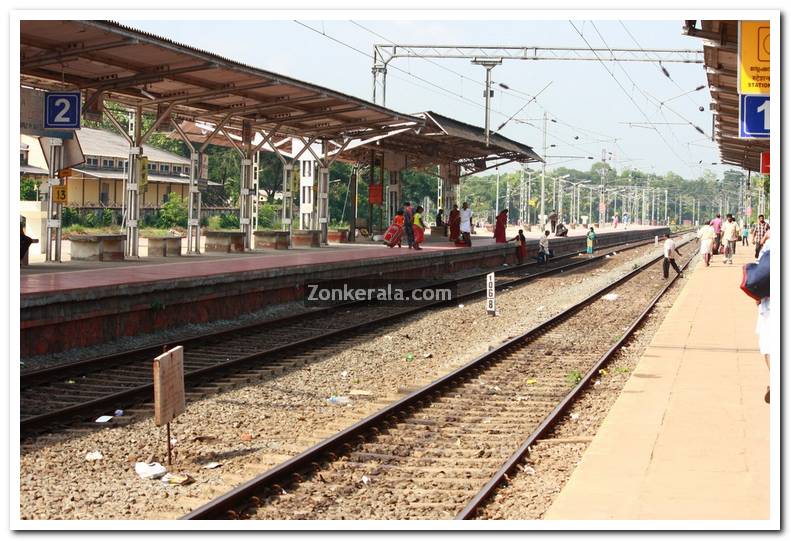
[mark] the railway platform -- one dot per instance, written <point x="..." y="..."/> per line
<point x="689" y="436"/>
<point x="78" y="305"/>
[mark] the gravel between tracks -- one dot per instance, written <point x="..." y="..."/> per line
<point x="282" y="415"/>
<point x="552" y="460"/>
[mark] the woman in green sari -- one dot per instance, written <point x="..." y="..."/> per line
<point x="591" y="239"/>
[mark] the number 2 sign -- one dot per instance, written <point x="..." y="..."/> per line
<point x="62" y="110"/>
<point x="754" y="117"/>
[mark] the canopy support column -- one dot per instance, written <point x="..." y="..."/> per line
<point x="194" y="203"/>
<point x="54" y="235"/>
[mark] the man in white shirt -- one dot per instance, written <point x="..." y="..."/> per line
<point x="669" y="248"/>
<point x="730" y="235"/>
<point x="543" y="248"/>
<point x="466" y="223"/>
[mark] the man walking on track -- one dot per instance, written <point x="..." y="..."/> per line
<point x="669" y="248"/>
<point x="758" y="234"/>
<point x="730" y="235"/>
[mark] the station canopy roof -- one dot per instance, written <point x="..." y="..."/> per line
<point x="107" y="60"/>
<point x="440" y="140"/>
<point x="720" y="57"/>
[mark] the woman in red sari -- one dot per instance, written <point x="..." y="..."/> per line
<point x="499" y="227"/>
<point x="454" y="223"/>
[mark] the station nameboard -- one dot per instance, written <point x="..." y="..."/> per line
<point x="753" y="71"/>
<point x="754" y="117"/>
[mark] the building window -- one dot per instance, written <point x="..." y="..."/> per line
<point x="108" y="163"/>
<point x="22" y="157"/>
<point x="152" y="167"/>
<point x="177" y="169"/>
<point x="306" y="166"/>
<point x="104" y="194"/>
<point x="186" y="170"/>
<point x="168" y="191"/>
<point x="164" y="168"/>
<point x="92" y="161"/>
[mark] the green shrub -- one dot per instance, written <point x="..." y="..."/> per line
<point x="214" y="222"/>
<point x="268" y="215"/>
<point x="173" y="212"/>
<point x="229" y="221"/>
<point x="151" y="220"/>
<point x="70" y="217"/>
<point x="204" y="221"/>
<point x="89" y="220"/>
<point x="106" y="217"/>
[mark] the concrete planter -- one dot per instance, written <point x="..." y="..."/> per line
<point x="164" y="246"/>
<point x="277" y="240"/>
<point x="306" y="238"/>
<point x="337" y="235"/>
<point x="224" y="242"/>
<point x="97" y="247"/>
<point x="439" y="231"/>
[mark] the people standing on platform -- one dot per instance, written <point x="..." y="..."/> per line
<point x="499" y="226"/>
<point x="521" y="246"/>
<point x="745" y="234"/>
<point x="761" y="228"/>
<point x="706" y="236"/>
<point x="626" y="219"/>
<point x="454" y="223"/>
<point x="24" y="241"/>
<point x="716" y="223"/>
<point x="440" y="221"/>
<point x="561" y="230"/>
<point x="590" y="240"/>
<point x="730" y="236"/>
<point x="670" y="259"/>
<point x="418" y="228"/>
<point x="408" y="231"/>
<point x="553" y="220"/>
<point x="615" y="221"/>
<point x="465" y="224"/>
<point x="763" y="326"/>
<point x="395" y="232"/>
<point x="543" y="248"/>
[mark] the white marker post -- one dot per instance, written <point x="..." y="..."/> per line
<point x="490" y="302"/>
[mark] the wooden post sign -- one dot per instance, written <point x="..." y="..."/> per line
<point x="169" y="400"/>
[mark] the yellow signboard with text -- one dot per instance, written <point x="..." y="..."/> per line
<point x="753" y="67"/>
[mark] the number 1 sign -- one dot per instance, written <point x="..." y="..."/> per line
<point x="62" y="110"/>
<point x="754" y="117"/>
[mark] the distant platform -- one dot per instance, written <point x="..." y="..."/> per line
<point x="688" y="438"/>
<point x="77" y="304"/>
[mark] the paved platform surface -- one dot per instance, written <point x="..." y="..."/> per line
<point x="73" y="275"/>
<point x="689" y="436"/>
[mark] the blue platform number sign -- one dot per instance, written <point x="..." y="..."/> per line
<point x="62" y="110"/>
<point x="754" y="118"/>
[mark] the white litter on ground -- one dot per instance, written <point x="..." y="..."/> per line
<point x="610" y="297"/>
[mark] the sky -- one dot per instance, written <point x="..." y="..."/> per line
<point x="595" y="104"/>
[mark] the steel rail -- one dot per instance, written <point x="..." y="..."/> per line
<point x="553" y="417"/>
<point x="357" y="432"/>
<point x="43" y="375"/>
<point x="123" y="398"/>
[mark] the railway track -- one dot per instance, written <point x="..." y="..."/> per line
<point x="441" y="451"/>
<point x="65" y="394"/>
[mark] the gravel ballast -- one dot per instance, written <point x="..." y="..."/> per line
<point x="257" y="426"/>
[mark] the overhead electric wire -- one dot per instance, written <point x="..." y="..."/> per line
<point x="625" y="92"/>
<point x="460" y="97"/>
